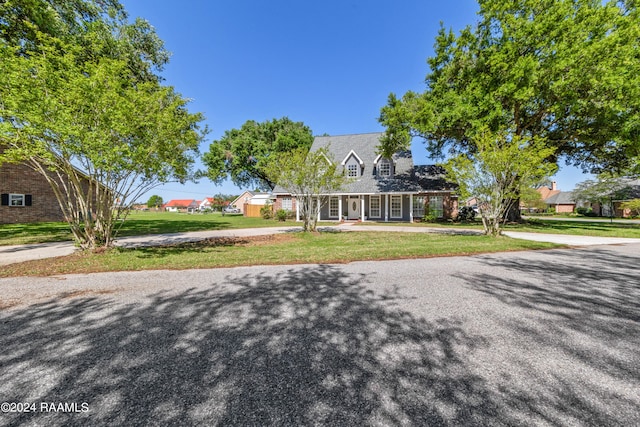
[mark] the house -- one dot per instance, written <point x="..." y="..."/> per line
<point x="255" y="203"/>
<point x="630" y="189"/>
<point x="188" y="205"/>
<point x="559" y="201"/>
<point x="239" y="201"/>
<point x="379" y="189"/>
<point x="26" y="196"/>
<point x="250" y="202"/>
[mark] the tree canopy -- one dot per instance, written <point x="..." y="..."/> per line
<point x="566" y="72"/>
<point x="81" y="105"/>
<point x="242" y="154"/>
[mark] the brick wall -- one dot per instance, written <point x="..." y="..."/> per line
<point x="20" y="179"/>
<point x="278" y="203"/>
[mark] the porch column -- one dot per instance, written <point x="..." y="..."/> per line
<point x="318" y="206"/>
<point x="362" y="208"/>
<point x="410" y="207"/>
<point x="297" y="211"/>
<point x="339" y="208"/>
<point x="386" y="208"/>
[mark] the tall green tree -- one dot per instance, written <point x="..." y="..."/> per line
<point x="81" y="105"/>
<point x="242" y="154"/>
<point x="565" y="72"/>
<point x="310" y="176"/>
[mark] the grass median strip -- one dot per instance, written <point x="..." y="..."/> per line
<point x="289" y="248"/>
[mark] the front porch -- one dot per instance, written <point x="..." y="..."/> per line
<point x="386" y="207"/>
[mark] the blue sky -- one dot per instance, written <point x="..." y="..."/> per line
<point x="330" y="64"/>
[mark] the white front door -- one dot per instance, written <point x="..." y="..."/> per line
<point x="354" y="207"/>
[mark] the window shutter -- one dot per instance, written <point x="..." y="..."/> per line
<point x="28" y="199"/>
<point x="5" y="200"/>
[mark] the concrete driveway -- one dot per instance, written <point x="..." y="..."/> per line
<point x="528" y="338"/>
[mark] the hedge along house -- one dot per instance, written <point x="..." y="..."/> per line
<point x="378" y="189"/>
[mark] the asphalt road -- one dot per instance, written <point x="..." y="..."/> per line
<point x="527" y="338"/>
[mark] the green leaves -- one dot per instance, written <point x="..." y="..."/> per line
<point x="81" y="105"/>
<point x="565" y="72"/>
<point x="502" y="167"/>
<point x="310" y="176"/>
<point x="242" y="154"/>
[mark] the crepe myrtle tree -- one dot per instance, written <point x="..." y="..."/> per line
<point x="99" y="138"/>
<point x="500" y="169"/>
<point x="309" y="176"/>
<point x="81" y="103"/>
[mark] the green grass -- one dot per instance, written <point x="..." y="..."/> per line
<point x="576" y="228"/>
<point x="137" y="223"/>
<point x="289" y="248"/>
<point x="142" y="223"/>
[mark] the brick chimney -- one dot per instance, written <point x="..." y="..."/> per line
<point x="554" y="186"/>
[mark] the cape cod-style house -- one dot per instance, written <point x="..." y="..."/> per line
<point x="379" y="189"/>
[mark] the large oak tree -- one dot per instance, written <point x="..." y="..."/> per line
<point x="242" y="154"/>
<point x="565" y="72"/>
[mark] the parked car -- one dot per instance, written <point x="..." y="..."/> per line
<point x="231" y="210"/>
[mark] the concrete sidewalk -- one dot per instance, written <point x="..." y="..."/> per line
<point x="20" y="253"/>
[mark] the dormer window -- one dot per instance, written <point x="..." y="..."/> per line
<point x="384" y="169"/>
<point x="383" y="166"/>
<point x="353" y="164"/>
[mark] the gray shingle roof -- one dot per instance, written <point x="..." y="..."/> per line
<point x="406" y="179"/>
<point x="561" y="198"/>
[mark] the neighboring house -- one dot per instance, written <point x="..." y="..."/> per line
<point x="239" y="201"/>
<point x="630" y="191"/>
<point x="560" y="201"/>
<point x="26" y="196"/>
<point x="378" y="189"/>
<point x="207" y="203"/>
<point x="255" y="203"/>
<point x="187" y="205"/>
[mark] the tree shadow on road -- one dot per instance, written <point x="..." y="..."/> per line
<point x="578" y="310"/>
<point x="308" y="346"/>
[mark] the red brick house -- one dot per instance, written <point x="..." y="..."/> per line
<point x="26" y="196"/>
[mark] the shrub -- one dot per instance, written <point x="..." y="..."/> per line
<point x="585" y="211"/>
<point x="282" y="215"/>
<point x="429" y="218"/>
<point x="466" y="213"/>
<point x="266" y="211"/>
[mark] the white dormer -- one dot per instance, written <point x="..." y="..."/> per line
<point x="353" y="165"/>
<point x="383" y="166"/>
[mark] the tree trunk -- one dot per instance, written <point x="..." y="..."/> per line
<point x="513" y="213"/>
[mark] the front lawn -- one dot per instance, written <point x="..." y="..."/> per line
<point x="557" y="226"/>
<point x="290" y="248"/>
<point x="136" y="224"/>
